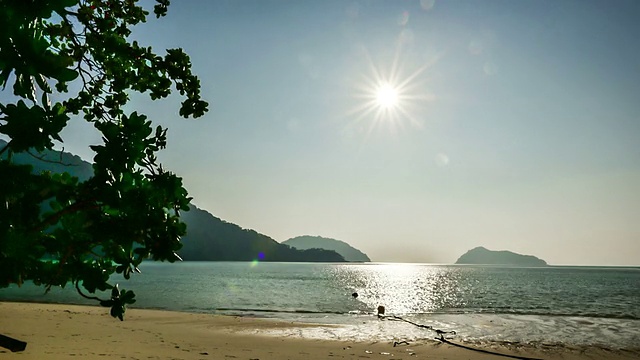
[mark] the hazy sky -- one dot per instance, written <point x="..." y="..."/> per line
<point x="516" y="126"/>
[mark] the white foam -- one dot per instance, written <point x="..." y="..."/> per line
<point x="482" y="328"/>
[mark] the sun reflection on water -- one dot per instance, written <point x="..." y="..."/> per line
<point x="401" y="288"/>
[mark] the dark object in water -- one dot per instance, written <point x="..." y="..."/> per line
<point x="355" y="295"/>
<point x="380" y="310"/>
<point x="12" y="344"/>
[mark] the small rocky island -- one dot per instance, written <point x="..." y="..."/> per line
<point x="348" y="252"/>
<point x="481" y="255"/>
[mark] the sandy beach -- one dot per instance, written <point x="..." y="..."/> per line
<point x="56" y="331"/>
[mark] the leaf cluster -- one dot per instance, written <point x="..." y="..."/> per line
<point x="55" y="229"/>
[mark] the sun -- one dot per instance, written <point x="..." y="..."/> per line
<point x="387" y="96"/>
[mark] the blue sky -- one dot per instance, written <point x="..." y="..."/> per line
<point x="517" y="126"/>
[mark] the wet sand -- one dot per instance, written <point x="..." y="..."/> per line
<point x="55" y="331"/>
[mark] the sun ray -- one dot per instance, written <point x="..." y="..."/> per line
<point x="387" y="98"/>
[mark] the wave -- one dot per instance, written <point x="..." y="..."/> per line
<point x="493" y="311"/>
<point x="508" y="311"/>
<point x="281" y="311"/>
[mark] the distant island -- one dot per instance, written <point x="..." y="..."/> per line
<point x="347" y="251"/>
<point x="481" y="255"/>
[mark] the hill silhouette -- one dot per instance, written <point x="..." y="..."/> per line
<point x="481" y="255"/>
<point x="310" y="242"/>
<point x="208" y="238"/>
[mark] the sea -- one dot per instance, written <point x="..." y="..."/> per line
<point x="541" y="306"/>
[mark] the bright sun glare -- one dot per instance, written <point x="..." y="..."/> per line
<point x="387" y="96"/>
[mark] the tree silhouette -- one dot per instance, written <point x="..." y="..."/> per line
<point x="73" y="59"/>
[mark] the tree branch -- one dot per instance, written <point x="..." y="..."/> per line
<point x="86" y="296"/>
<point x="41" y="158"/>
<point x="51" y="220"/>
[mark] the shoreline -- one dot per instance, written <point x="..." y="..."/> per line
<point x="54" y="331"/>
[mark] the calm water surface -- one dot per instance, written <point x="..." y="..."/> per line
<point x="551" y="305"/>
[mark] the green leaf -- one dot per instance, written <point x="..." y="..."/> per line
<point x="118" y="215"/>
<point x="65" y="75"/>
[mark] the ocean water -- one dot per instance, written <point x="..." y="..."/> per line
<point x="554" y="306"/>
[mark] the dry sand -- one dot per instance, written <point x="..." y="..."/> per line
<point x="55" y="331"/>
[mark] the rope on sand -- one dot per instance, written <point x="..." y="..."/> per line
<point x="441" y="337"/>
